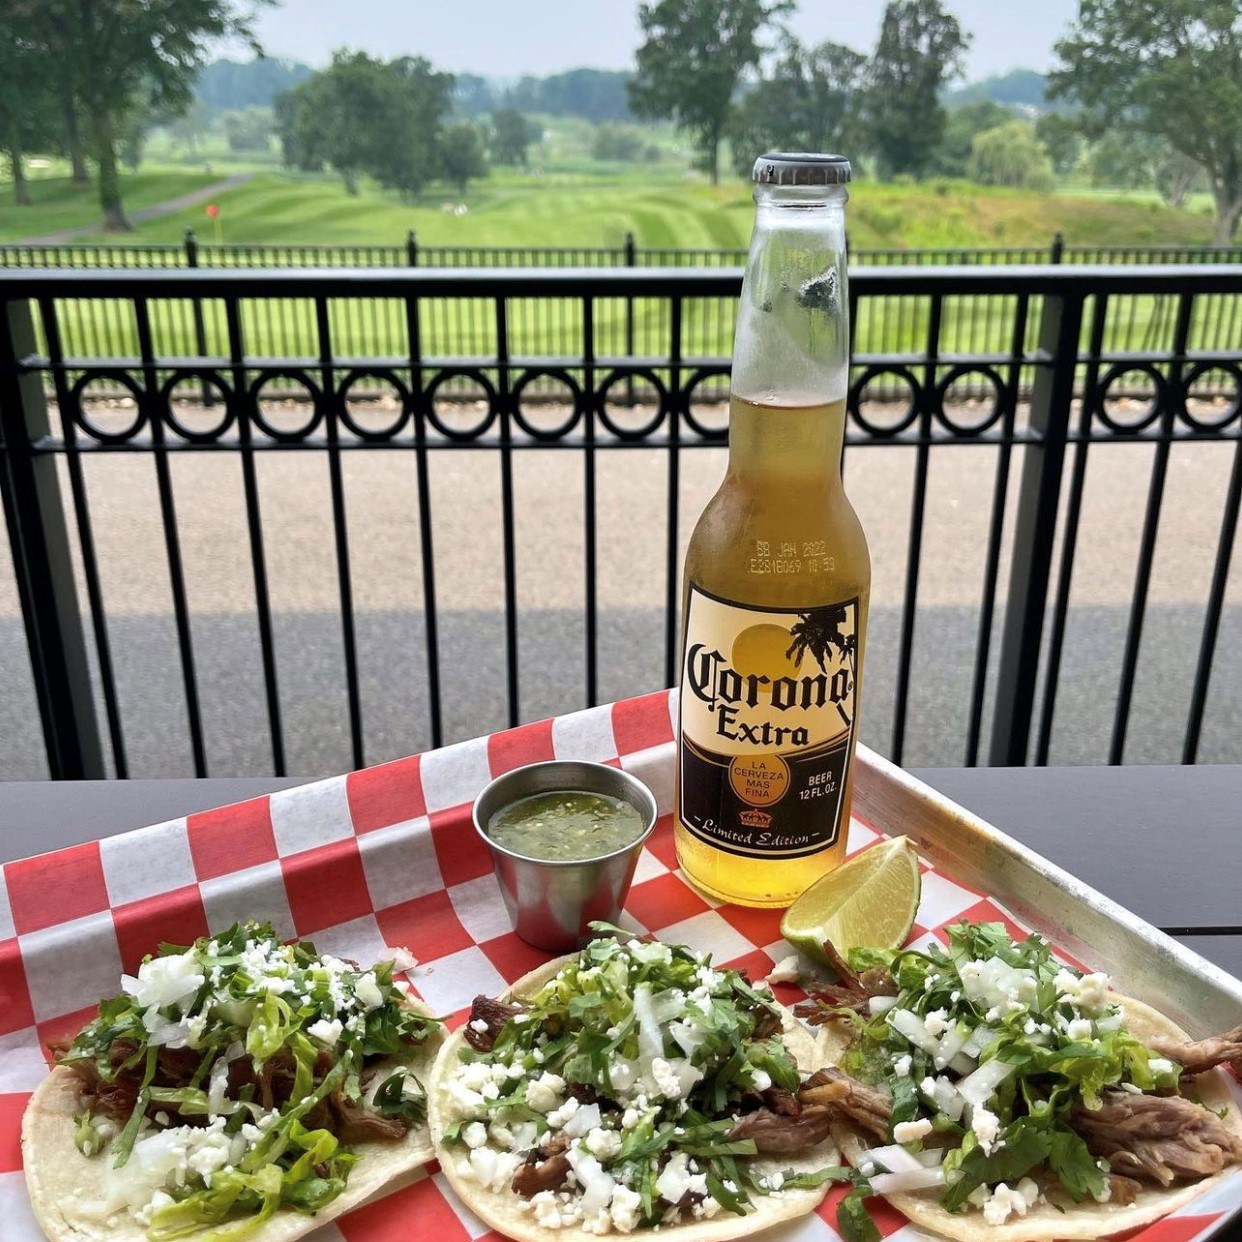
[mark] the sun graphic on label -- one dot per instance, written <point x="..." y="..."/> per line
<point x="761" y="650"/>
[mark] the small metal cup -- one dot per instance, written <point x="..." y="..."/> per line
<point x="551" y="902"/>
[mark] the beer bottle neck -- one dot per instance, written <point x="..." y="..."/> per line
<point x="791" y="348"/>
<point x="792" y="446"/>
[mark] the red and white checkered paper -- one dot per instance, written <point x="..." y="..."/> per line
<point x="364" y="863"/>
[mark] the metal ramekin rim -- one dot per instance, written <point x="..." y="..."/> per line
<point x="627" y="777"/>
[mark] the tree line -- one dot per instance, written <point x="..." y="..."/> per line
<point x="1163" y="81"/>
<point x="74" y="75"/>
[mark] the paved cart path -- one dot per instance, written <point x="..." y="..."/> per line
<point x="170" y="206"/>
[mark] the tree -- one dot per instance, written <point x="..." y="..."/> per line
<point x="1011" y="154"/>
<point x="462" y="156"/>
<point x="1062" y="135"/>
<point x="249" y="130"/>
<point x="26" y="101"/>
<point x="952" y="156"/>
<point x="361" y="116"/>
<point x="619" y="143"/>
<point x="1172" y="70"/>
<point x="511" y="134"/>
<point x="809" y="103"/>
<point x="919" y="50"/>
<point x="595" y="94"/>
<point x="232" y="85"/>
<point x="113" y="54"/>
<point x="693" y="55"/>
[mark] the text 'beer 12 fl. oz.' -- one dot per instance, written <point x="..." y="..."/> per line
<point x="777" y="578"/>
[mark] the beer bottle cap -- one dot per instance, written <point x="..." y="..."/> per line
<point x="801" y="168"/>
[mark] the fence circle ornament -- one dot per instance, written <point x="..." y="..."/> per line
<point x="462" y="434"/>
<point x="1196" y="373"/>
<point x="227" y="403"/>
<point x="718" y="433"/>
<point x="1155" y="406"/>
<point x="619" y="376"/>
<point x="78" y="413"/>
<point x="374" y="435"/>
<point x="313" y="392"/>
<point x="957" y="427"/>
<point x="907" y="417"/>
<point x="577" y="404"/>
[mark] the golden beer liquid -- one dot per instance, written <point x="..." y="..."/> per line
<point x="783" y="488"/>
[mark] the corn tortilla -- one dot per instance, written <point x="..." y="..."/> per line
<point x="503" y="1210"/>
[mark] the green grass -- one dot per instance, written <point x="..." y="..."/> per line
<point x="568" y="199"/>
<point x="57" y="204"/>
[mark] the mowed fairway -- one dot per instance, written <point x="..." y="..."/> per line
<point x="659" y="205"/>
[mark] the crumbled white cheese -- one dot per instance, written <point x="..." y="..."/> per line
<point x="1028" y="1188"/>
<point x="624" y="1210"/>
<point x="1079" y="1028"/>
<point x="559" y="1116"/>
<point x="911" y="1131"/>
<point x="327" y="1032"/>
<point x="603" y="1144"/>
<point x="1002" y="1203"/>
<point x="543" y="1094"/>
<point x="480" y="1025"/>
<point x="937" y="1022"/>
<point x="901" y="1066"/>
<point x="986" y="1125"/>
<point x="474" y="1135"/>
<point x="1160" y="1065"/>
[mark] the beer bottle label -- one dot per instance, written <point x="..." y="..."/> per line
<point x="766" y="716"/>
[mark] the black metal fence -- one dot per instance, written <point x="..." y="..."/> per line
<point x="1061" y="338"/>
<point x="459" y="327"/>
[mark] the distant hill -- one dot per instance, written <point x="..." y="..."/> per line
<point x="225" y="85"/>
<point x="1019" y="88"/>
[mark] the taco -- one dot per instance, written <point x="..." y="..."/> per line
<point x="630" y="1086"/>
<point x="241" y="1087"/>
<point x="988" y="1092"/>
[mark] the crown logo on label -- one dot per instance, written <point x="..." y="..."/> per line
<point x="755" y="819"/>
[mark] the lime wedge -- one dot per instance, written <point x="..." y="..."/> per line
<point x="870" y="899"/>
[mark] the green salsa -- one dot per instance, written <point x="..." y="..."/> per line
<point x="566" y="825"/>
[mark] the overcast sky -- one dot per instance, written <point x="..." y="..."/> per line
<point x="507" y="38"/>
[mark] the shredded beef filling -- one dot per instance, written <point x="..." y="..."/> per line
<point x="835" y="1090"/>
<point x="1200" y="1055"/>
<point x="495" y="1014"/>
<point x="1154" y="1138"/>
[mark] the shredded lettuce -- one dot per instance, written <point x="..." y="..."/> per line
<point x="1063" y="1038"/>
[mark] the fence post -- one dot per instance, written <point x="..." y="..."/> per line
<point x="1058" y="248"/>
<point x="1039" y="493"/>
<point x="631" y="260"/>
<point x="411" y="249"/>
<point x="42" y="564"/>
<point x="196" y="309"/>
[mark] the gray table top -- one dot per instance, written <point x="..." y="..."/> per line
<point x="1162" y="841"/>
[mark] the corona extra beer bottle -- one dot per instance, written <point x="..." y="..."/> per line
<point x="777" y="575"/>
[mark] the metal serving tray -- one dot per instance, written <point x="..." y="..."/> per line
<point x="1142" y="961"/>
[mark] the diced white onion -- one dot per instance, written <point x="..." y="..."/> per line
<point x="932" y="1158"/>
<point x="951" y="1043"/>
<point x="979" y="1087"/>
<point x="881" y="1004"/>
<point x="650" y="1037"/>
<point x="978" y="1040"/>
<point x="914" y="1179"/>
<point x="947" y="1098"/>
<point x="908" y="1023"/>
<point x="894" y="1159"/>
<point x="962" y="1064"/>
